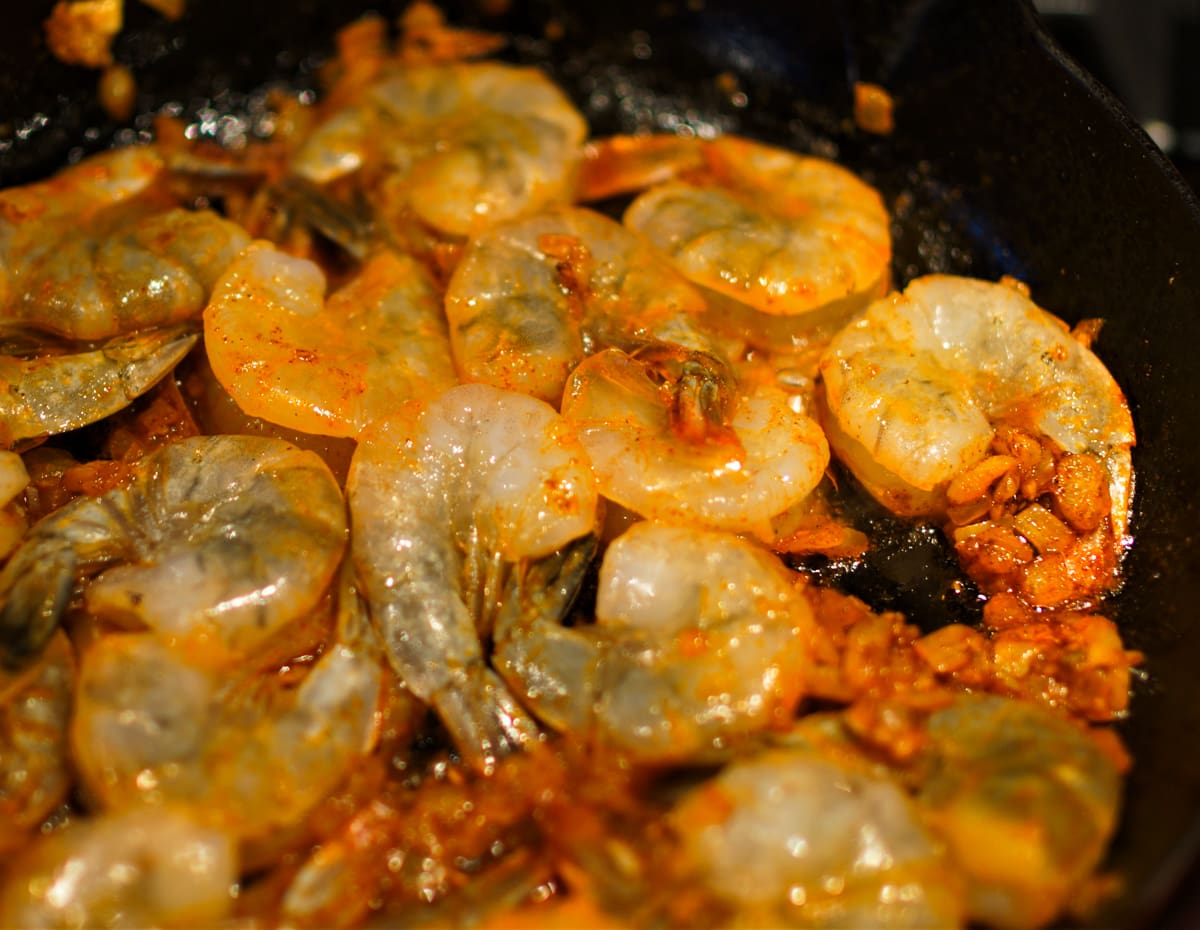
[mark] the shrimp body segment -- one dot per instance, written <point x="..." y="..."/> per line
<point x="51" y="394"/>
<point x="216" y="543"/>
<point x="446" y="496"/>
<point x="463" y="146"/>
<point x="237" y="753"/>
<point x="700" y="638"/>
<point x="791" y="839"/>
<point x="782" y="233"/>
<point x="288" y="356"/>
<point x="94" y="252"/>
<point x="916" y="384"/>
<point x="624" y="419"/>
<point x="530" y="299"/>
<point x="1026" y="802"/>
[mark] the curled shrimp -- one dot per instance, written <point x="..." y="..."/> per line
<point x="625" y="410"/>
<point x="786" y="235"/>
<point x="216" y="543"/>
<point x="245" y="756"/>
<point x="137" y="868"/>
<point x="35" y="773"/>
<point x="49" y="394"/>
<point x="461" y="145"/>
<point x="964" y="399"/>
<point x="700" y="639"/>
<point x="444" y="497"/>
<point x="793" y="839"/>
<point x="98" y="251"/>
<point x="1026" y="801"/>
<point x="531" y="298"/>
<point x="287" y="355"/>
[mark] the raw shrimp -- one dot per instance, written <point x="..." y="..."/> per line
<point x="785" y="234"/>
<point x="530" y="299"/>
<point x="789" y="838"/>
<point x="138" y="868"/>
<point x="50" y="394"/>
<point x="618" y="404"/>
<point x="1025" y="799"/>
<point x="35" y="773"/>
<point x="328" y="368"/>
<point x="915" y="385"/>
<point x="700" y="639"/>
<point x="921" y="386"/>
<point x="239" y="754"/>
<point x="445" y="496"/>
<point x="98" y="251"/>
<point x="216" y="543"/>
<point x="461" y="145"/>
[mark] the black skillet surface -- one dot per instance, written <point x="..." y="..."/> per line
<point x="1006" y="160"/>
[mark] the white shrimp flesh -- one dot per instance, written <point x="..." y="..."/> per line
<point x="326" y="367"/>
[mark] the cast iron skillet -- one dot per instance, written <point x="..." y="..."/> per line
<point x="1006" y="159"/>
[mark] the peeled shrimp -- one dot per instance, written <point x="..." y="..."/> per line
<point x="463" y="146"/>
<point x="444" y="497"/>
<point x="785" y="234"/>
<point x="97" y="251"/>
<point x="530" y="299"/>
<point x="287" y="355"/>
<point x="923" y="386"/>
<point x="51" y="394"/>
<point x="138" y="868"/>
<point x="915" y="386"/>
<point x="1026" y="801"/>
<point x="150" y="726"/>
<point x="700" y="639"/>
<point x="791" y="839"/>
<point x="216" y="543"/>
<point x="35" y="773"/>
<point x="624" y="417"/>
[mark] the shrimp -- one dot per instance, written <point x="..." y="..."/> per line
<point x="623" y="415"/>
<point x="791" y="838"/>
<point x="35" y="773"/>
<point x="150" y="726"/>
<point x="700" y="639"/>
<point x="921" y="387"/>
<point x="137" y="868"/>
<point x="97" y="251"/>
<point x="463" y="146"/>
<point x="444" y="497"/>
<point x="1026" y="801"/>
<point x="14" y="478"/>
<point x="287" y="355"/>
<point x="785" y="235"/>
<point x="51" y="394"/>
<point x="530" y="299"/>
<point x="216" y="543"/>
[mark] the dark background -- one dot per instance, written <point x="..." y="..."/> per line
<point x="1148" y="53"/>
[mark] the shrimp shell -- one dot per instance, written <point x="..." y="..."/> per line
<point x="463" y="145"/>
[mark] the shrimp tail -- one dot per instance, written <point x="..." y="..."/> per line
<point x="486" y="722"/>
<point x="53" y="394"/>
<point x="481" y="706"/>
<point x="702" y="393"/>
<point x="548" y="666"/>
<point x="35" y="588"/>
<point x="545" y="588"/>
